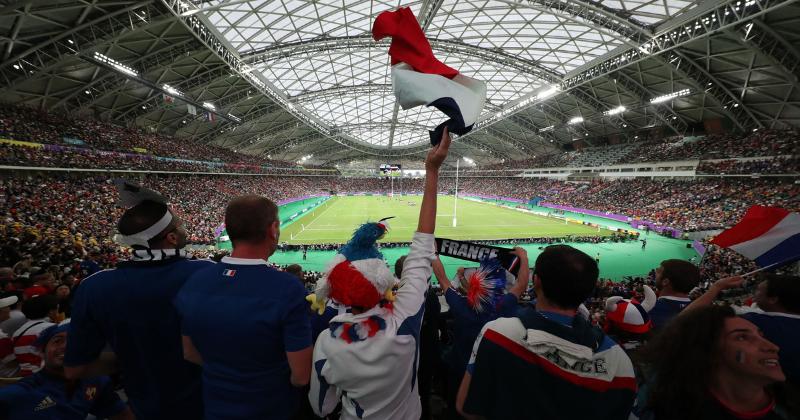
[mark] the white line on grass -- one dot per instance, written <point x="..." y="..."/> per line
<point x="312" y="222"/>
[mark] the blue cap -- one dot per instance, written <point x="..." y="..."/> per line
<point x="50" y="332"/>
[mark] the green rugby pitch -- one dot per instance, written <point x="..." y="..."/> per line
<point x="335" y="221"/>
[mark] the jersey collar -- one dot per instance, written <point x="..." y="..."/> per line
<point x="244" y="261"/>
<point x="676" y="299"/>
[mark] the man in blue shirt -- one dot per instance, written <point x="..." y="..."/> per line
<point x="548" y="362"/>
<point x="674" y="280"/>
<point x="130" y="308"/>
<point x="247" y="323"/>
<point x="49" y="395"/>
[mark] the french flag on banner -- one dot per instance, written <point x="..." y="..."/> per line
<point x="767" y="235"/>
<point x="418" y="78"/>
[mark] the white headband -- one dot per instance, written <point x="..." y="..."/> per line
<point x="144" y="236"/>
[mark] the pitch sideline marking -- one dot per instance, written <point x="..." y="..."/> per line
<point x="312" y="222"/>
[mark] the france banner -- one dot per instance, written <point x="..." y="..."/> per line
<point x="475" y="252"/>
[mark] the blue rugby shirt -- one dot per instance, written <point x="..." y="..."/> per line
<point x="130" y="307"/>
<point x="666" y="308"/>
<point x="243" y="316"/>
<point x="468" y="324"/>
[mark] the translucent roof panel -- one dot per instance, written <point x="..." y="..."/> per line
<point x="319" y="84"/>
<point x="556" y="42"/>
<point x="651" y="11"/>
<point x="349" y="88"/>
<point x="263" y="23"/>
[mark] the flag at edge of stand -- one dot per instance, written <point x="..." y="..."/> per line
<point x="767" y="235"/>
<point x="418" y="78"/>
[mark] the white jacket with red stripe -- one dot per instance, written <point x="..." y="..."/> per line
<point x="27" y="354"/>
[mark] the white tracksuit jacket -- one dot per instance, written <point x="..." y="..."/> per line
<point x="376" y="378"/>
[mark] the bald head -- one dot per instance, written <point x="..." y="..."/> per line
<point x="248" y="218"/>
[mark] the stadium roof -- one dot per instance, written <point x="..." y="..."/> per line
<point x="291" y="78"/>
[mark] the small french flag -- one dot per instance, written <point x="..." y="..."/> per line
<point x="767" y="235"/>
<point x="229" y="273"/>
<point x="418" y="78"/>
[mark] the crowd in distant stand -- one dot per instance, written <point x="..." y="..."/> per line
<point x="762" y="143"/>
<point x="61" y="203"/>
<point x="107" y="146"/>
<point x="778" y="165"/>
<point x="87" y="143"/>
<point x="718" y="146"/>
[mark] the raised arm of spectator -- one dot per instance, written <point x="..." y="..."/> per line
<point x="434" y="160"/>
<point x="441" y="275"/>
<point x="417" y="267"/>
<point x="524" y="272"/>
<point x="708" y="297"/>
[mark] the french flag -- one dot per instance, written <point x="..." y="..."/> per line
<point x="767" y="235"/>
<point x="418" y="78"/>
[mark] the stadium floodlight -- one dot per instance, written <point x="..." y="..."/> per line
<point x="552" y="90"/>
<point x="669" y="96"/>
<point x="548" y="128"/>
<point x="234" y="117"/>
<point x="468" y="160"/>
<point x="618" y="110"/>
<point x="209" y="105"/>
<point x="171" y="90"/>
<point x="116" y="65"/>
<point x="576" y="120"/>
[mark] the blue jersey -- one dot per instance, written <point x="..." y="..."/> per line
<point x="468" y="323"/>
<point x="243" y="316"/>
<point x="44" y="396"/>
<point x="130" y="308"/>
<point x="666" y="308"/>
<point x="784" y="330"/>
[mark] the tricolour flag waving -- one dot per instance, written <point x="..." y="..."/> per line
<point x="767" y="235"/>
<point x="418" y="78"/>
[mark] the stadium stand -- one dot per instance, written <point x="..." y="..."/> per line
<point x="620" y="123"/>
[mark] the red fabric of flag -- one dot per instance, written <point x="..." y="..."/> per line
<point x="409" y="44"/>
<point x="756" y="222"/>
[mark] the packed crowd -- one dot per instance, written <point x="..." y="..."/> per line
<point x="34" y="125"/>
<point x="778" y="165"/>
<point x="719" y="146"/>
<point x="44" y="204"/>
<point x="85" y="143"/>
<point x="375" y="343"/>
<point x="784" y="146"/>
<point x="695" y="205"/>
<point x="76" y="157"/>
